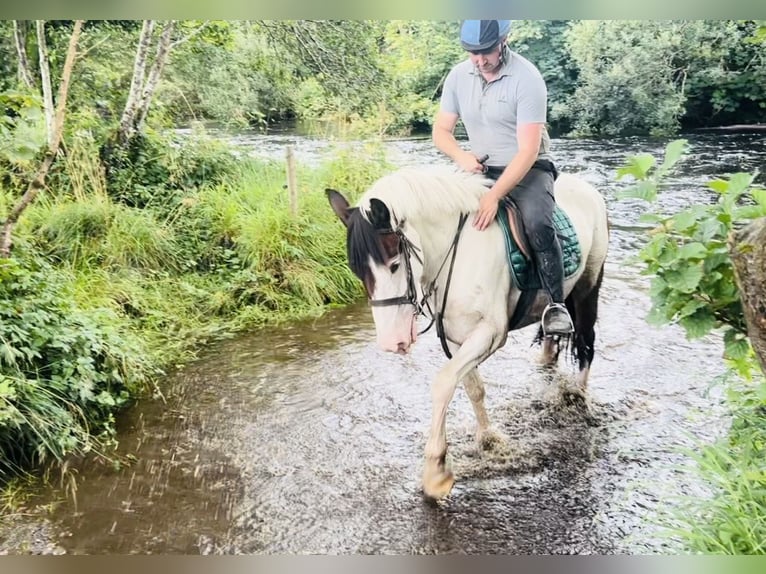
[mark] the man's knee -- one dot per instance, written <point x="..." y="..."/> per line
<point x="541" y="235"/>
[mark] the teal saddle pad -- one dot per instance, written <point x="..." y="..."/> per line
<point x="523" y="271"/>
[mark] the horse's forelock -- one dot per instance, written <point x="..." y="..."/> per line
<point x="363" y="242"/>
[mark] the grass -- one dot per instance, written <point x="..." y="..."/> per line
<point x="732" y="520"/>
<point x="138" y="290"/>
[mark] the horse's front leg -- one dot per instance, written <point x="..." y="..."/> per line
<point x="437" y="478"/>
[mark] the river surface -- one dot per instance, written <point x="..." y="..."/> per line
<point x="308" y="439"/>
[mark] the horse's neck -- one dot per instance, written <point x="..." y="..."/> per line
<point x="434" y="241"/>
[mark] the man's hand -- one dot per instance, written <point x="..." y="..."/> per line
<point x="488" y="206"/>
<point x="468" y="162"/>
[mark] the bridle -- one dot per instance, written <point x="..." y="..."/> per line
<point x="407" y="250"/>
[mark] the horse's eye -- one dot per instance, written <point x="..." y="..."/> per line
<point x="394" y="268"/>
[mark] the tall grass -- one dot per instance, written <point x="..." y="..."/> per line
<point x="732" y="520"/>
<point x="104" y="296"/>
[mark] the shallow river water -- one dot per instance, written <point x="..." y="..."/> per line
<point x="308" y="439"/>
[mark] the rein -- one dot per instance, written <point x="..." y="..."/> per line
<point x="410" y="297"/>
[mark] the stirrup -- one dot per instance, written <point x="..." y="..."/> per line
<point x="560" y="321"/>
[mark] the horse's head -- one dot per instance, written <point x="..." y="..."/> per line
<point x="381" y="256"/>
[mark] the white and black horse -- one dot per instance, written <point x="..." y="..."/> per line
<point x="409" y="243"/>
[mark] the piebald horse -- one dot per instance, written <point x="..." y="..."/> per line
<point x="409" y="244"/>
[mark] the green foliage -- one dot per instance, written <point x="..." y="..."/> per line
<point x="22" y="131"/>
<point x="99" y="295"/>
<point x="240" y="81"/>
<point x="634" y="76"/>
<point x="543" y="42"/>
<point x="157" y="171"/>
<point x="734" y="91"/>
<point x="732" y="520"/>
<point x="63" y="370"/>
<point x="95" y="231"/>
<point x="687" y="255"/>
<point x="693" y="284"/>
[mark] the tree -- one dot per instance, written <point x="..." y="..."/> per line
<point x="747" y="247"/>
<point x="38" y="181"/>
<point x="634" y="75"/>
<point x="143" y="84"/>
<point x="20" y="41"/>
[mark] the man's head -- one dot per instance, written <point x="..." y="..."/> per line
<point x="484" y="40"/>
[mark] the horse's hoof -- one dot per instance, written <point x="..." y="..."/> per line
<point x="439" y="486"/>
<point x="490" y="440"/>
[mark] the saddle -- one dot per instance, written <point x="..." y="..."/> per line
<point x="521" y="262"/>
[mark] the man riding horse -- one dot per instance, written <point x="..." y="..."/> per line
<point x="501" y="99"/>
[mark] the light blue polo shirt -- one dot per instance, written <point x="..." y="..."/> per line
<point x="491" y="111"/>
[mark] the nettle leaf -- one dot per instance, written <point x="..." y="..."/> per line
<point x="710" y="228"/>
<point x="715" y="260"/>
<point x="659" y="315"/>
<point x="691" y="307"/>
<point x="719" y="185"/>
<point x="759" y="195"/>
<point x="740" y="182"/>
<point x="637" y="166"/>
<point x="749" y="212"/>
<point x="687" y="219"/>
<point x="736" y="345"/>
<point x="644" y="190"/>
<point x="698" y="324"/>
<point x="656" y="245"/>
<point x="651" y="218"/>
<point x="674" y="151"/>
<point x="657" y="288"/>
<point x="685" y="279"/>
<point x="669" y="254"/>
<point x="693" y="250"/>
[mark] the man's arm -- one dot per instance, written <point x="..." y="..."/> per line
<point x="443" y="135"/>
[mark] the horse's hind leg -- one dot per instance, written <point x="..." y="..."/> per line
<point x="550" y="348"/>
<point x="585" y="315"/>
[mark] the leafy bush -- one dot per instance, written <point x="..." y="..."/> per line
<point x="63" y="370"/>
<point x="687" y="255"/>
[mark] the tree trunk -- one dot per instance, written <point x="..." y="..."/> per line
<point x="748" y="253"/>
<point x="128" y="120"/>
<point x="38" y="182"/>
<point x="163" y="49"/>
<point x="45" y="77"/>
<point x="20" y="39"/>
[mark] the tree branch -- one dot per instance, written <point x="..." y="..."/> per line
<point x="163" y="49"/>
<point x="25" y="72"/>
<point x="50" y="154"/>
<point x="127" y="122"/>
<point x="45" y="76"/>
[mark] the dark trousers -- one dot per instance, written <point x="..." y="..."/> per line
<point x="533" y="195"/>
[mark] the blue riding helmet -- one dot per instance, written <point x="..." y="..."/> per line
<point x="479" y="35"/>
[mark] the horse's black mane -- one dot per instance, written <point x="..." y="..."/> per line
<point x="362" y="242"/>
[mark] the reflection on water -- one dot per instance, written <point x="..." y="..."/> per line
<point x="307" y="439"/>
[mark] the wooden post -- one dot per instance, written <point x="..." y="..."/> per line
<point x="292" y="186"/>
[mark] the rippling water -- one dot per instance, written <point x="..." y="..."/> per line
<point x="307" y="439"/>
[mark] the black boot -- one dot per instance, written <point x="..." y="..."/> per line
<point x="550" y="266"/>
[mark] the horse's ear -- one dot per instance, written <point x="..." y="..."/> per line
<point x="379" y="215"/>
<point x="339" y="205"/>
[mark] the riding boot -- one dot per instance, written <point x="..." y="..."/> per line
<point x="550" y="266"/>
